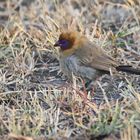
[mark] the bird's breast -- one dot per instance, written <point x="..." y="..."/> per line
<point x="72" y="65"/>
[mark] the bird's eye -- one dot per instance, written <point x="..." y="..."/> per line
<point x="64" y="43"/>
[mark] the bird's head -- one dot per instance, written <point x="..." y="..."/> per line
<point x="68" y="40"/>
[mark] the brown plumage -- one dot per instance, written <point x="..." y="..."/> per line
<point x="84" y="59"/>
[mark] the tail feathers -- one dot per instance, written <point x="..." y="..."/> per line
<point x="128" y="69"/>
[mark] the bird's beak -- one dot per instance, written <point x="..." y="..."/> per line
<point x="57" y="44"/>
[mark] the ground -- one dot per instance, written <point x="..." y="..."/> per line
<point x="36" y="99"/>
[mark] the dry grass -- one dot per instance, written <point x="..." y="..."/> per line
<point x="37" y="101"/>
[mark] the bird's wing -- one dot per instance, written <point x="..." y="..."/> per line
<point x="95" y="57"/>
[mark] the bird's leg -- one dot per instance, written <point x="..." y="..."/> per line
<point x="84" y="89"/>
<point x="89" y="85"/>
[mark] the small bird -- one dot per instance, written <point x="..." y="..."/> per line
<point x="82" y="58"/>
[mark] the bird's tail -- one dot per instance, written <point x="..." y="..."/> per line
<point x="128" y="69"/>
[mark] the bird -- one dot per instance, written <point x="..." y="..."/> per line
<point x="82" y="58"/>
